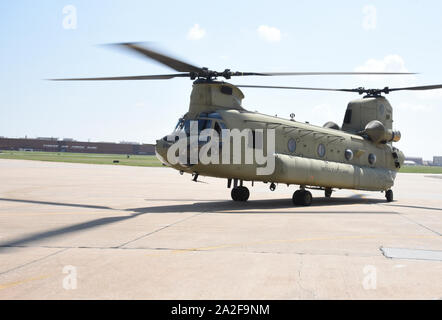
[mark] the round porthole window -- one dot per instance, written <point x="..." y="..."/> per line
<point x="348" y="154"/>
<point x="321" y="150"/>
<point x="371" y="158"/>
<point x="291" y="145"/>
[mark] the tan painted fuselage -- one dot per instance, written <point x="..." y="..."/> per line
<point x="303" y="165"/>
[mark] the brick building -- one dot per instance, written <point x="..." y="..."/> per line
<point x="69" y="145"/>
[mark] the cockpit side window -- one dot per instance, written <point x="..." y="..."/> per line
<point x="217" y="128"/>
<point x="205" y="121"/>
<point x="179" y="125"/>
<point x="214" y="115"/>
<point x="347" y="117"/>
<point x="207" y="124"/>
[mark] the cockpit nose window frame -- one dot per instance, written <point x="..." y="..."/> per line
<point x="205" y="121"/>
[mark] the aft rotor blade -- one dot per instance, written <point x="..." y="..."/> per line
<point x="430" y="87"/>
<point x="296" y="88"/>
<point x="162" y="58"/>
<point x="145" y="77"/>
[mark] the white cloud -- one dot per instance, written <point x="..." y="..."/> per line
<point x="196" y="32"/>
<point x="270" y="34"/>
<point x="415" y="107"/>
<point x="390" y="63"/>
<point x="325" y="112"/>
<point x="369" y="21"/>
<point x="429" y="94"/>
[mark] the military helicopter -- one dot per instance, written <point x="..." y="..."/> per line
<point x="358" y="155"/>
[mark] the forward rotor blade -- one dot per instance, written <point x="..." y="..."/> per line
<point x="317" y="73"/>
<point x="147" y="77"/>
<point x="430" y="87"/>
<point x="173" y="63"/>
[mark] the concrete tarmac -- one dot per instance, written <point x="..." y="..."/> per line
<point x="78" y="231"/>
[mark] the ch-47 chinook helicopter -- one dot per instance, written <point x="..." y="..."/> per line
<point x="359" y="155"/>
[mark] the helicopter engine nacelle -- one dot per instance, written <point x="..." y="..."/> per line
<point x="331" y="125"/>
<point x="377" y="132"/>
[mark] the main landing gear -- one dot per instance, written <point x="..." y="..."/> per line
<point x="328" y="192"/>
<point x="302" y="197"/>
<point x="240" y="193"/>
<point x="389" y="195"/>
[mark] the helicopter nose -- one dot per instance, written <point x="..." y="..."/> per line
<point x="161" y="147"/>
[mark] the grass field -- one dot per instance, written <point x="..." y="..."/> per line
<point x="141" y="161"/>
<point x="92" y="158"/>
<point x="421" y="169"/>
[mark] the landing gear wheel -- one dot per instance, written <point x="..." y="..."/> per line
<point x="328" y="192"/>
<point x="240" y="194"/>
<point x="389" y="195"/>
<point x="296" y="197"/>
<point x="302" y="197"/>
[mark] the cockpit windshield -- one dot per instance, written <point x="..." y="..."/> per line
<point x="205" y="121"/>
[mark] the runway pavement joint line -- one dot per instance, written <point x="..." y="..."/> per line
<point x="403" y="215"/>
<point x="158" y="230"/>
<point x="34" y="261"/>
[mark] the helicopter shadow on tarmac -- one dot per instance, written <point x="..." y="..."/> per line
<point x="266" y="206"/>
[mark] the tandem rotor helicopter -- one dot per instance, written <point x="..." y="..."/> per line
<point x="358" y="155"/>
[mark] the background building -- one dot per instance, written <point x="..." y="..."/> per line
<point x="70" y="145"/>
<point x="437" y="161"/>
<point x="417" y="160"/>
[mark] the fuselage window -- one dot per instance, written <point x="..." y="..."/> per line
<point x="291" y="145"/>
<point x="321" y="150"/>
<point x="255" y="140"/>
<point x="372" y="158"/>
<point x="348" y="154"/>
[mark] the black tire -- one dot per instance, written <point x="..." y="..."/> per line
<point x="302" y="198"/>
<point x="328" y="192"/>
<point x="240" y="194"/>
<point x="389" y="195"/>
<point x="307" y="198"/>
<point x="296" y="198"/>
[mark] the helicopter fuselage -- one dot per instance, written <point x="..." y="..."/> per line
<point x="304" y="154"/>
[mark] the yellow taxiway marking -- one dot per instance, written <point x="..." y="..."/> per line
<point x="16" y="283"/>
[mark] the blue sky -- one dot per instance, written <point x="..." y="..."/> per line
<point x="240" y="35"/>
